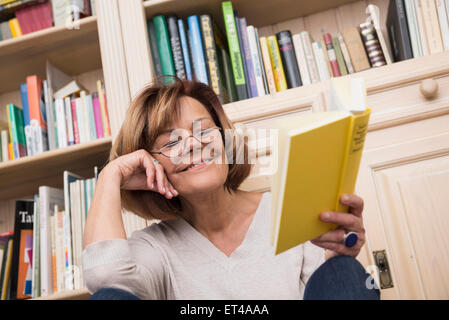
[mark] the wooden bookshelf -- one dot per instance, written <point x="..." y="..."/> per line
<point x="74" y="51"/>
<point x="22" y="177"/>
<point x="81" y="294"/>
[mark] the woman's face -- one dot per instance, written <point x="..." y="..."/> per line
<point x="194" y="167"/>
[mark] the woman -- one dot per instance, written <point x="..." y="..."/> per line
<point x="170" y="162"/>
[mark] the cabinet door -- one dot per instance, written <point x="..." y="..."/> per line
<point x="405" y="183"/>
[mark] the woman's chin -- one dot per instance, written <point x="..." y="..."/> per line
<point x="200" y="180"/>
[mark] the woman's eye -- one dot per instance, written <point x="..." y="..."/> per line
<point x="171" y="144"/>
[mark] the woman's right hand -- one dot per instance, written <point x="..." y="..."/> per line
<point x="137" y="171"/>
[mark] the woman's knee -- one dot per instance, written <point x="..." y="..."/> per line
<point x="113" y="294"/>
<point x="341" y="277"/>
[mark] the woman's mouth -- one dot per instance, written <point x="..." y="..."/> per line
<point x="198" y="165"/>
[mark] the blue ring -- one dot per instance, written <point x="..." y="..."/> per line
<point x="351" y="239"/>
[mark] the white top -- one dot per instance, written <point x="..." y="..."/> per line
<point x="172" y="260"/>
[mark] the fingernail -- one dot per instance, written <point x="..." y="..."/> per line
<point x="345" y="198"/>
<point x="169" y="194"/>
<point x="326" y="215"/>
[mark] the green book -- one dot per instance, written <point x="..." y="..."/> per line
<point x="154" y="51"/>
<point x="163" y="45"/>
<point x="17" y="130"/>
<point x="339" y="54"/>
<point x="234" y="50"/>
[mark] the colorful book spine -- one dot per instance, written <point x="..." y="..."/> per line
<point x="61" y="123"/>
<point x="289" y="60"/>
<point x="257" y="66"/>
<point x="331" y="55"/>
<point x="310" y="57"/>
<point x="339" y="55"/>
<point x="372" y="45"/>
<point x="97" y="114"/>
<point x="69" y="121"/>
<point x="185" y="49"/>
<point x="104" y="109"/>
<point x="300" y="56"/>
<point x="198" y="58"/>
<point x="163" y="45"/>
<point x="17" y="131"/>
<point x="276" y="63"/>
<point x="157" y="66"/>
<point x="76" y="132"/>
<point x="38" y="117"/>
<point x="26" y="119"/>
<point x="267" y="64"/>
<point x="234" y="50"/>
<point x="175" y="44"/>
<point x="246" y="54"/>
<point x="15" y="28"/>
<point x="345" y="52"/>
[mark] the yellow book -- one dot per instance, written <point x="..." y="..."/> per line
<point x="15" y="28"/>
<point x="318" y="157"/>
<point x="7" y="271"/>
<point x="276" y="63"/>
<point x="104" y="109"/>
<point x="11" y="151"/>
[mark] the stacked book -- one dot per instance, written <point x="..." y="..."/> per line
<point x="42" y="255"/>
<point x="49" y="119"/>
<point x="32" y="15"/>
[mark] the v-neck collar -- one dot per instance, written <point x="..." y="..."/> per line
<point x="189" y="233"/>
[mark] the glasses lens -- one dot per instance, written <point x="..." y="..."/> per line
<point x="180" y="148"/>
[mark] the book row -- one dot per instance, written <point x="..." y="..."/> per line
<point x="48" y="120"/>
<point x="42" y="255"/>
<point x="31" y="16"/>
<point x="418" y="27"/>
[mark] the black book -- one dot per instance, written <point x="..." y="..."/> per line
<point x="175" y="42"/>
<point x="21" y="265"/>
<point x="398" y="31"/>
<point x="153" y="47"/>
<point x="288" y="58"/>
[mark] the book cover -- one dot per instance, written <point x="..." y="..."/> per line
<point x="300" y="56"/>
<point x="198" y="53"/>
<point x="276" y="63"/>
<point x="247" y="58"/>
<point x="234" y="50"/>
<point x="157" y="66"/>
<point x="104" y="109"/>
<point x="38" y="117"/>
<point x="163" y="45"/>
<point x="345" y="52"/>
<point x="413" y="27"/>
<point x="356" y="49"/>
<point x="175" y="44"/>
<point x="339" y="56"/>
<point x="21" y="268"/>
<point x="267" y="64"/>
<point x="255" y="59"/>
<point x="310" y="57"/>
<point x="17" y="130"/>
<point x="306" y="184"/>
<point x="398" y="31"/>
<point x="372" y="45"/>
<point x="185" y="49"/>
<point x="289" y="60"/>
<point x="331" y="55"/>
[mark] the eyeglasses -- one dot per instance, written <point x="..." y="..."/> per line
<point x="178" y="148"/>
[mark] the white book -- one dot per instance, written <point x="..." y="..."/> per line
<point x="374" y="14"/>
<point x="93" y="7"/>
<point x="85" y="116"/>
<point x="91" y="117"/>
<point x="262" y="65"/>
<point x="35" y="276"/>
<point x="252" y="41"/>
<point x="69" y="121"/>
<point x="59" y="247"/>
<point x="80" y="119"/>
<point x="310" y="57"/>
<point x="413" y="27"/>
<point x="48" y="197"/>
<point x="61" y="11"/>
<point x="345" y="52"/>
<point x="444" y="22"/>
<point x="74" y="205"/>
<point x="5" y="146"/>
<point x="29" y="139"/>
<point x="321" y="62"/>
<point x="267" y="64"/>
<point x="301" y="59"/>
<point x="61" y="123"/>
<point x="421" y="28"/>
<point x="67" y="90"/>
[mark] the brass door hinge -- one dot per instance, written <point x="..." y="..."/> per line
<point x="380" y="257"/>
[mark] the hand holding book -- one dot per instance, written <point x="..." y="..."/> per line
<point x="333" y="241"/>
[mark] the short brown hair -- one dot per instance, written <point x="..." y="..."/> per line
<point x="151" y="112"/>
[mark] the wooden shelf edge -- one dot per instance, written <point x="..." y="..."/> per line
<point x="81" y="294"/>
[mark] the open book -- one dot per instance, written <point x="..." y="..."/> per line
<point x="318" y="158"/>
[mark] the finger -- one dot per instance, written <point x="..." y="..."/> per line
<point x="339" y="248"/>
<point x="150" y="171"/>
<point x="160" y="178"/>
<point x="331" y="236"/>
<point x="354" y="202"/>
<point x="172" y="189"/>
<point x="168" y="193"/>
<point x="348" y="221"/>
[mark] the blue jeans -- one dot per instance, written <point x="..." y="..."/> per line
<point x="339" y="278"/>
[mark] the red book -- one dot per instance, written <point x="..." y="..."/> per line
<point x="76" y="134"/>
<point x="331" y="54"/>
<point x="24" y="17"/>
<point x="47" y="14"/>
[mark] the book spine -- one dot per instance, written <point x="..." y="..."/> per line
<point x="345" y="52"/>
<point x="276" y="63"/>
<point x="97" y="114"/>
<point x="49" y="117"/>
<point x="35" y="262"/>
<point x="372" y="45"/>
<point x="15" y="28"/>
<point x="185" y="49"/>
<point x="267" y="63"/>
<point x="61" y="123"/>
<point x="76" y="131"/>
<point x="422" y="28"/>
<point x="310" y="57"/>
<point x="356" y="49"/>
<point x="228" y="76"/>
<point x="45" y="248"/>
<point x="81" y="119"/>
<point x="163" y="45"/>
<point x="326" y="58"/>
<point x="59" y="237"/>
<point x="198" y="58"/>
<point x="288" y="57"/>
<point x="234" y="50"/>
<point x="353" y="153"/>
<point x="5" y="146"/>
<point x="7" y="268"/>
<point x="37" y="113"/>
<point x="18" y="131"/>
<point x="398" y="31"/>
<point x="242" y="53"/>
<point x="104" y="109"/>
<point x="157" y="66"/>
<point x="331" y="55"/>
<point x="300" y="56"/>
<point x="91" y="118"/>
<point x="430" y="17"/>
<point x="211" y="55"/>
<point x="262" y="66"/>
<point x="85" y="114"/>
<point x="53" y="253"/>
<point x="321" y="63"/>
<point x="339" y="55"/>
<point x="413" y="27"/>
<point x="69" y="121"/>
<point x="257" y="67"/>
<point x="444" y="22"/>
<point x="175" y="43"/>
<point x="246" y="52"/>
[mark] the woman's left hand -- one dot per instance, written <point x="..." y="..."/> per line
<point x="347" y="222"/>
